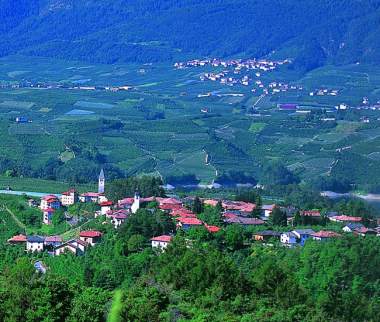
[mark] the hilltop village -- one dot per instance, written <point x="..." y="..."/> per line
<point x="185" y="213"/>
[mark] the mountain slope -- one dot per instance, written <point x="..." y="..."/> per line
<point x="122" y="31"/>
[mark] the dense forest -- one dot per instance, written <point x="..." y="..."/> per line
<point x="201" y="276"/>
<point x="148" y="31"/>
<point x="222" y="277"/>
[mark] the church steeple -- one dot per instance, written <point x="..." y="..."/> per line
<point x="101" y="182"/>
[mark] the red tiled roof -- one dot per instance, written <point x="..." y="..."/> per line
<point x="182" y="212"/>
<point x="170" y="206"/>
<point x="69" y="192"/>
<point x="163" y="238"/>
<point x="212" y="229"/>
<point x="106" y="204"/>
<point x="168" y="201"/>
<point x="49" y="210"/>
<point x="346" y="218"/>
<point x="230" y="215"/>
<point x="92" y="194"/>
<point x="311" y="213"/>
<point x="90" y="233"/>
<point x="126" y="201"/>
<point x="244" y="220"/>
<point x="17" y="239"/>
<point x="50" y="198"/>
<point x="238" y="205"/>
<point x="211" y="202"/>
<point x="326" y="234"/>
<point x="189" y="221"/>
<point x="147" y="199"/>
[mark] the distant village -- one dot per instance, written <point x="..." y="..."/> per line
<point x="233" y="212"/>
<point x="57" y="85"/>
<point x="249" y="72"/>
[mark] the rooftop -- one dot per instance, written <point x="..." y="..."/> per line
<point x="346" y="218"/>
<point x="106" y="204"/>
<point x="17" y="239"/>
<point x="35" y="239"/>
<point x="163" y="238"/>
<point x="326" y="234"/>
<point x="189" y="221"/>
<point x="304" y="231"/>
<point x="53" y="239"/>
<point x="90" y="233"/>
<point x="212" y="229"/>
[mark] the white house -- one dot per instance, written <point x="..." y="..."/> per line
<point x="50" y="201"/>
<point x="47" y="215"/>
<point x="105" y="207"/>
<point x="92" y="197"/>
<point x="35" y="244"/>
<point x="92" y="237"/>
<point x="267" y="209"/>
<point x="324" y="235"/>
<point x="288" y="238"/>
<point x="161" y="242"/>
<point x="118" y="219"/>
<point x="69" y="197"/>
<point x="75" y="246"/>
<point x="349" y="228"/>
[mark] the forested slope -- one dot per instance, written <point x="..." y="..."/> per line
<point x="123" y="31"/>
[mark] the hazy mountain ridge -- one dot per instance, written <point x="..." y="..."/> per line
<point x="123" y="31"/>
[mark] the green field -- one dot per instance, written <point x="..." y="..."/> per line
<point x="39" y="185"/>
<point x="159" y="127"/>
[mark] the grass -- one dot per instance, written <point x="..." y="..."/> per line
<point x="257" y="127"/>
<point x="66" y="156"/>
<point x="39" y="185"/>
<point x="116" y="307"/>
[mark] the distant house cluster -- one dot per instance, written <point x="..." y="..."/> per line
<point x="55" y="245"/>
<point x="237" y="64"/>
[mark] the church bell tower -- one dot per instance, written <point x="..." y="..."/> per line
<point x="101" y="182"/>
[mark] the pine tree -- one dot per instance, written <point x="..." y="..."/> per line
<point x="197" y="206"/>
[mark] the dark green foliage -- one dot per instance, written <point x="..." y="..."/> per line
<point x="58" y="217"/>
<point x="278" y="217"/>
<point x="212" y="215"/>
<point x="89" y="305"/>
<point x="113" y="31"/>
<point x="142" y="226"/>
<point x="222" y="278"/>
<point x="277" y="174"/>
<point x="197" y="206"/>
<point x="146" y="186"/>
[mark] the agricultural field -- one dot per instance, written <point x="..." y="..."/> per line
<point x="169" y="122"/>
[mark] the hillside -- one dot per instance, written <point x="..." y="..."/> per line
<point x="145" y="31"/>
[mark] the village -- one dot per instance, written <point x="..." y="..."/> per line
<point x="180" y="210"/>
<point x="249" y="74"/>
